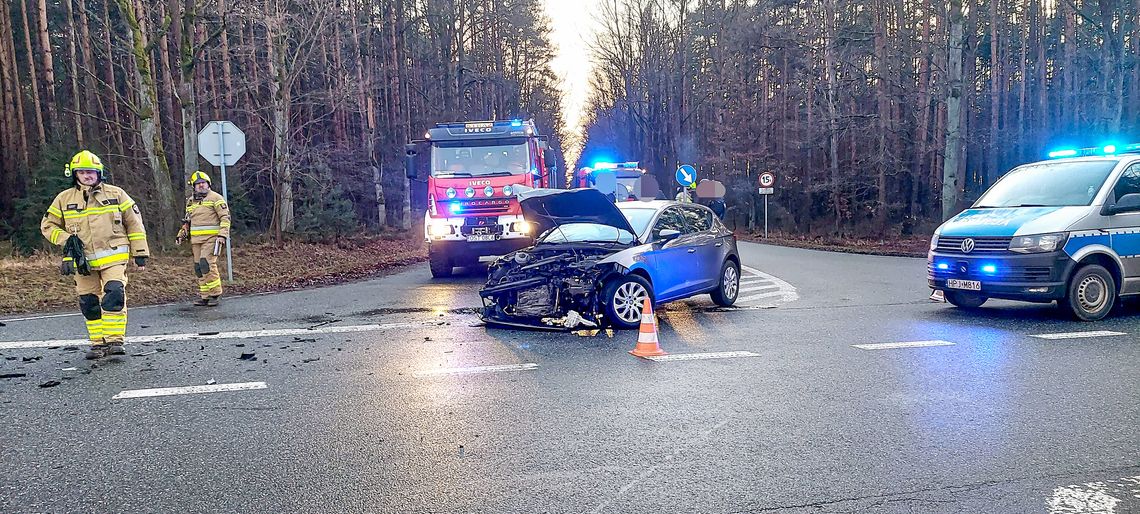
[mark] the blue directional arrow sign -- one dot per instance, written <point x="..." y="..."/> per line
<point x="686" y="175"/>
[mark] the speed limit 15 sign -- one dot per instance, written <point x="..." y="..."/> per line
<point x="767" y="179"/>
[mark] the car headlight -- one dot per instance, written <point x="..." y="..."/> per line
<point x="1040" y="243"/>
<point x="522" y="227"/>
<point x="934" y="242"/>
<point x="489" y="191"/>
<point x="470" y="191"/>
<point x="451" y="192"/>
<point x="508" y="190"/>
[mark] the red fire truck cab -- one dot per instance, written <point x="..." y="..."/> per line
<point x="474" y="169"/>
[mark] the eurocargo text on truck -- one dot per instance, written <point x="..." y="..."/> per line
<point x="474" y="170"/>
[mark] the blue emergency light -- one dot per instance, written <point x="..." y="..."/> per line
<point x="989" y="269"/>
<point x="1107" y="149"/>
<point x="943" y="266"/>
<point x="456" y="208"/>
<point x="516" y="123"/>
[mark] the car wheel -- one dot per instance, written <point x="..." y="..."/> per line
<point x="440" y="264"/>
<point x="624" y="298"/>
<point x="1092" y="293"/>
<point x="729" y="288"/>
<point x="965" y="300"/>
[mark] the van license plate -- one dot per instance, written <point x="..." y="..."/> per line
<point x="484" y="237"/>
<point x="969" y="285"/>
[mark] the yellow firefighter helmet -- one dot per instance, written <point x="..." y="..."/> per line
<point x="85" y="160"/>
<point x="199" y="175"/>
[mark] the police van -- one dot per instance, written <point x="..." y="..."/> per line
<point x="1065" y="230"/>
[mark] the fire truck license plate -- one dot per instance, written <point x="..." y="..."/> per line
<point x="481" y="237"/>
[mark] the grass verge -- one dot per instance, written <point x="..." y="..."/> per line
<point x="33" y="284"/>
<point x="903" y="246"/>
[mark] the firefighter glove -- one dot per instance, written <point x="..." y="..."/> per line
<point x="73" y="250"/>
<point x="140" y="262"/>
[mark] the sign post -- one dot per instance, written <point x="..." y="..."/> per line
<point x="223" y="144"/>
<point x="767" y="187"/>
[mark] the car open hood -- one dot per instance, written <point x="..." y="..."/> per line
<point x="549" y="208"/>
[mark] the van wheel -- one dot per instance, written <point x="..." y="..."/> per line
<point x="440" y="264"/>
<point x="965" y="300"/>
<point x="623" y="299"/>
<point x="1091" y="295"/>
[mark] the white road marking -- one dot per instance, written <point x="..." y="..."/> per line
<point x="1079" y="335"/>
<point x="475" y="370"/>
<point x="763" y="287"/>
<point x="701" y="356"/>
<point x="1096" y="497"/>
<point x="908" y="344"/>
<point x="331" y="329"/>
<point x="171" y="391"/>
<point x="759" y="281"/>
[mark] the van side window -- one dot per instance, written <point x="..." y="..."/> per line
<point x="1129" y="182"/>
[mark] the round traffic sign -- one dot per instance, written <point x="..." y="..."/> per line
<point x="767" y="179"/>
<point x="686" y="175"/>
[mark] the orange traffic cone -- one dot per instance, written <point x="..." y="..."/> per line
<point x="647" y="336"/>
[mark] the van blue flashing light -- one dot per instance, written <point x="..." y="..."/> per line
<point x="1068" y="152"/>
<point x="1109" y="149"/>
<point x="943" y="266"/>
<point x="456" y="208"/>
<point x="516" y="123"/>
<point x="989" y="269"/>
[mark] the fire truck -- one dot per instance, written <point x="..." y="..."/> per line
<point x="475" y="168"/>
<point x="627" y="174"/>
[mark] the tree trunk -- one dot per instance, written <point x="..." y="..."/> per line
<point x="954" y="146"/>
<point x="996" y="90"/>
<point x="279" y="90"/>
<point x="48" y="67"/>
<point x="33" y="74"/>
<point x="73" y="68"/>
<point x="830" y="71"/>
<point x="150" y="127"/>
<point x="109" y="79"/>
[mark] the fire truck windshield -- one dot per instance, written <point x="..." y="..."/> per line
<point x="479" y="158"/>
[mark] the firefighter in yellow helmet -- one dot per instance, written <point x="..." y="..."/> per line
<point x="207" y="224"/>
<point x="100" y="229"/>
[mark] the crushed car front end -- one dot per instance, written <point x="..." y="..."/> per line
<point x="584" y="242"/>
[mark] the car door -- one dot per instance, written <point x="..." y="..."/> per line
<point x="705" y="269"/>
<point x="1125" y="229"/>
<point x="668" y="258"/>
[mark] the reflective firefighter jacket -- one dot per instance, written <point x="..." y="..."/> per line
<point x="209" y="218"/>
<point x="105" y="219"/>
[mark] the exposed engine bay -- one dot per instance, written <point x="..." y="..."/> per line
<point x="551" y="286"/>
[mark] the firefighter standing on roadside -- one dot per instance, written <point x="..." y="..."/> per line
<point x="100" y="229"/>
<point x="207" y="224"/>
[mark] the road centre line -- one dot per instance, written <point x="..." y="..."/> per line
<point x="701" y="356"/>
<point x="11" y="345"/>
<point x="530" y="366"/>
<point x="908" y="344"/>
<point x="1079" y="335"/>
<point x="171" y="391"/>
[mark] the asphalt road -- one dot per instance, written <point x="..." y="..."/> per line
<point x="383" y="407"/>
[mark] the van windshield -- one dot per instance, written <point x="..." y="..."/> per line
<point x="1052" y="184"/>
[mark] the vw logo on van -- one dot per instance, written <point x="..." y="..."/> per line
<point x="968" y="245"/>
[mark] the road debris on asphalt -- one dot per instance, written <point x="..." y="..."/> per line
<point x="251" y="356"/>
<point x="50" y="383"/>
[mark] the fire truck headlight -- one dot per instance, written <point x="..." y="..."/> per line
<point x="489" y="191"/>
<point x="439" y="228"/>
<point x="451" y="192"/>
<point x="470" y="191"/>
<point x="522" y="227"/>
<point x="508" y="190"/>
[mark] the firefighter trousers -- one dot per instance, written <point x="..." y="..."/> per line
<point x="206" y="266"/>
<point x="103" y="302"/>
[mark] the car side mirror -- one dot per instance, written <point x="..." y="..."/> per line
<point x="667" y="235"/>
<point x="1127" y="203"/>
<point x="410" y="161"/>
